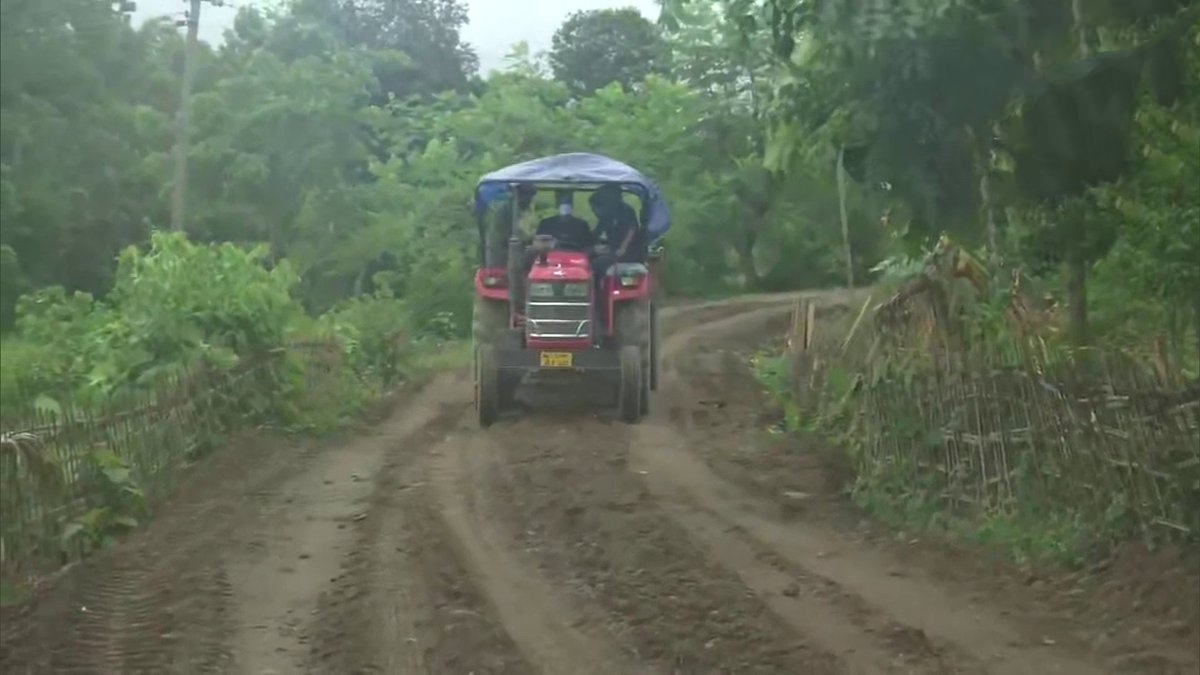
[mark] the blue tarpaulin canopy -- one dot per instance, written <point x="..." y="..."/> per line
<point x="578" y="169"/>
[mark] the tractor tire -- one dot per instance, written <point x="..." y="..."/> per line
<point x="629" y="397"/>
<point x="487" y="385"/>
<point x="489" y="323"/>
<point x="633" y="329"/>
<point x="644" y="396"/>
<point x="490" y="326"/>
<point x="655" y="341"/>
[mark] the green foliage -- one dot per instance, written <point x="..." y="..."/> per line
<point x="595" y="48"/>
<point x="118" y="502"/>
<point x="175" y="305"/>
<point x="324" y="130"/>
<point x="426" y="31"/>
<point x="374" y="331"/>
<point x="335" y="144"/>
<point x="85" y="110"/>
<point x="773" y="372"/>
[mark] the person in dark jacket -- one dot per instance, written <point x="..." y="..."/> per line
<point x="616" y="223"/>
<point x="569" y="230"/>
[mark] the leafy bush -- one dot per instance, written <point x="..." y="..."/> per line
<point x="174" y="305"/>
<point x="373" y="331"/>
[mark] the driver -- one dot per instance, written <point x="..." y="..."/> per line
<point x="566" y="228"/>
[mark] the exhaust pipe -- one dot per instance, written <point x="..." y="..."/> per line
<point x="516" y="270"/>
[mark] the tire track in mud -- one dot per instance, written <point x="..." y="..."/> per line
<point x="564" y="491"/>
<point x="558" y="482"/>
<point x="864" y="644"/>
<point x="464" y="541"/>
<point x="404" y="601"/>
<point x="222" y="580"/>
<point x="869" y="601"/>
<point x="434" y="583"/>
<point x="548" y="630"/>
<point x="555" y="543"/>
<point x="161" y="601"/>
<point x="287" y="555"/>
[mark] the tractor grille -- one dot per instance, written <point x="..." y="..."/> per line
<point x="558" y="319"/>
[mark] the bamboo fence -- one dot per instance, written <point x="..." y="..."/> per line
<point x="1100" y="437"/>
<point x="47" y="480"/>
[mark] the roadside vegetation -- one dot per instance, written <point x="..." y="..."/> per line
<point x="1025" y="369"/>
<point x="326" y="246"/>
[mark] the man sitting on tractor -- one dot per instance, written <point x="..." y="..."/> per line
<point x="616" y="223"/>
<point x="566" y="228"/>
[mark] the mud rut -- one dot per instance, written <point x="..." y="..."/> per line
<point x="560" y="542"/>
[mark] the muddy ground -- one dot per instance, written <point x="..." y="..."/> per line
<point x="562" y="542"/>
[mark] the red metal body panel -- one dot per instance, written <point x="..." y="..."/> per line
<point x="614" y="293"/>
<point x="498" y="291"/>
<point x="562" y="266"/>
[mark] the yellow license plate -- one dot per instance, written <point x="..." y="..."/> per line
<point x="556" y="359"/>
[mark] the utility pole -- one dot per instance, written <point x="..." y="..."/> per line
<point x="183" y="115"/>
<point x="841" y="187"/>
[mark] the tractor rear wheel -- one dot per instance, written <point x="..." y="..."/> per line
<point x="487" y="385"/>
<point x="655" y="340"/>
<point x="629" y="398"/>
<point x="633" y="329"/>
<point x="490" y="327"/>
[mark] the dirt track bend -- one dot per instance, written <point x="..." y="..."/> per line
<point x="558" y="542"/>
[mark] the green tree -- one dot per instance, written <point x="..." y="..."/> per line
<point x="594" y="48"/>
<point x="86" y="102"/>
<point x="783" y="206"/>
<point x="914" y="93"/>
<point x="426" y="31"/>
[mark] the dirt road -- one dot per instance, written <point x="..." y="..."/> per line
<point x="562" y="542"/>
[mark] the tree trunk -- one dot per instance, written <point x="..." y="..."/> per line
<point x="360" y="280"/>
<point x="746" y="266"/>
<point x="985" y="193"/>
<point x="1196" y="319"/>
<point x="982" y="153"/>
<point x="1077" y="263"/>
<point x="841" y="183"/>
<point x="1081" y="28"/>
<point x="1173" y="328"/>
<point x="1077" y="272"/>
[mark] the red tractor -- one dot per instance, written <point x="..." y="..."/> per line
<point x="549" y="303"/>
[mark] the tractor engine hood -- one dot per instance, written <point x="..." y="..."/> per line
<point x="562" y="266"/>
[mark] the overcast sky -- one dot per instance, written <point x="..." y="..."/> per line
<point x="495" y="25"/>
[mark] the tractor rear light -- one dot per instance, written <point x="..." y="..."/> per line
<point x="494" y="281"/>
